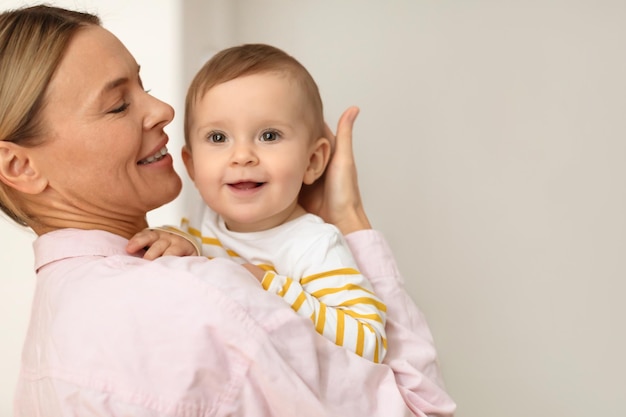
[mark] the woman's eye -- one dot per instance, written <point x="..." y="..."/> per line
<point x="269" y="136"/>
<point x="216" y="138"/>
<point x="120" y="109"/>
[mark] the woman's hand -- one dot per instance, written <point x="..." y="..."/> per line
<point x="335" y="197"/>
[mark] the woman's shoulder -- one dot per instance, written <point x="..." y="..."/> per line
<point x="118" y="320"/>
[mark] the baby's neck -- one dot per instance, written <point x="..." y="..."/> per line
<point x="296" y="212"/>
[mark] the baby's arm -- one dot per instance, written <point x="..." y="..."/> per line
<point x="337" y="298"/>
<point x="163" y="241"/>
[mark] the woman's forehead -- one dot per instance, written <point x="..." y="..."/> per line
<point x="95" y="60"/>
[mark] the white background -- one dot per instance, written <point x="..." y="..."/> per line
<point x="491" y="148"/>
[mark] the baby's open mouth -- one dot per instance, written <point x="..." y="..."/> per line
<point x="246" y="185"/>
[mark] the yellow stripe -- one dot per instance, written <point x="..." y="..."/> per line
<point x="358" y="316"/>
<point x="342" y="271"/>
<point x="285" y="287"/>
<point x="384" y="343"/>
<point x="369" y="326"/>
<point x="376" y="352"/>
<point x="298" y="303"/>
<point x="347" y="287"/>
<point x="360" y="339"/>
<point x="341" y="318"/>
<point x="267" y="280"/>
<point x="266" y="267"/>
<point x="230" y="252"/>
<point x="205" y="240"/>
<point x="209" y="240"/>
<point x="321" y="319"/>
<point x="364" y="300"/>
<point x="194" y="232"/>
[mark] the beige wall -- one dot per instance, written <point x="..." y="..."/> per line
<point x="490" y="144"/>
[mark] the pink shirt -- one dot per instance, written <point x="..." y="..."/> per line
<point x="115" y="335"/>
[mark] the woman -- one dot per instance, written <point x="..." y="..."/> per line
<point x="83" y="158"/>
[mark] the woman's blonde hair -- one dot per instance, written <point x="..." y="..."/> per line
<point x="32" y="43"/>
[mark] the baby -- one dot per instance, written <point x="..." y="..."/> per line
<point x="254" y="134"/>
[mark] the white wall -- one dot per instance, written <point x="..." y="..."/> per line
<point x="491" y="151"/>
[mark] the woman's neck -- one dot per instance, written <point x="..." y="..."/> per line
<point x="124" y="228"/>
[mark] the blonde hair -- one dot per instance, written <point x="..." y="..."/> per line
<point x="249" y="59"/>
<point x="32" y="43"/>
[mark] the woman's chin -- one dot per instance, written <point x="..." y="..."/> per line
<point x="168" y="191"/>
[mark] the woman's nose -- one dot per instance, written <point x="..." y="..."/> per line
<point x="159" y="113"/>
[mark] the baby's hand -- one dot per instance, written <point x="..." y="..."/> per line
<point x="161" y="242"/>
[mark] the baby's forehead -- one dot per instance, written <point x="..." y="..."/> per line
<point x="275" y="75"/>
<point x="276" y="85"/>
<point x="293" y="86"/>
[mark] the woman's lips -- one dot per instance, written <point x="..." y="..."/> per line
<point x="157" y="156"/>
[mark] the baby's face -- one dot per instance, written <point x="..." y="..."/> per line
<point x="251" y="147"/>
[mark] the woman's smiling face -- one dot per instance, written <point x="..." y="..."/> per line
<point x="104" y="147"/>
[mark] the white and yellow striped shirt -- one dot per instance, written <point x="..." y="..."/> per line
<point x="309" y="265"/>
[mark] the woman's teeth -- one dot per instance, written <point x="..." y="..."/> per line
<point x="156" y="157"/>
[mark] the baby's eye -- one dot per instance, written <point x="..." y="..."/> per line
<point x="269" y="136"/>
<point x="216" y="137"/>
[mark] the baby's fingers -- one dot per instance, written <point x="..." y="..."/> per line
<point x="183" y="248"/>
<point x="141" y="240"/>
<point x="159" y="248"/>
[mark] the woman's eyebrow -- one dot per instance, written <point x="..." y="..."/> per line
<point x="112" y="85"/>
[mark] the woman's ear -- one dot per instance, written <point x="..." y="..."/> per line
<point x="18" y="170"/>
<point x="188" y="161"/>
<point x="317" y="161"/>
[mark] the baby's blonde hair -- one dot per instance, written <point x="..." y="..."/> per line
<point x="249" y="59"/>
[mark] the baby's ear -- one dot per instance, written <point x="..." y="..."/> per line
<point x="188" y="161"/>
<point x="18" y="170"/>
<point x="317" y="161"/>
